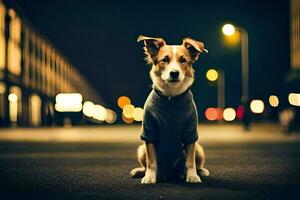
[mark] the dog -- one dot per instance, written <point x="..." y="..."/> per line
<point x="170" y="121"/>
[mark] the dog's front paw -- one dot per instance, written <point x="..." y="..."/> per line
<point x="192" y="177"/>
<point x="150" y="177"/>
<point x="203" y="172"/>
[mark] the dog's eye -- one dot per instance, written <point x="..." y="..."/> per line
<point x="182" y="60"/>
<point x="165" y="59"/>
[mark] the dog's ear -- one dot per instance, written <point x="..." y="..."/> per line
<point x="194" y="47"/>
<point x="152" y="45"/>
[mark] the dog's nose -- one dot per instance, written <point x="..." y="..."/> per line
<point x="174" y="74"/>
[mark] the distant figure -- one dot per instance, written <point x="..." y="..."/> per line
<point x="246" y="115"/>
<point x="286" y="117"/>
<point x="49" y="115"/>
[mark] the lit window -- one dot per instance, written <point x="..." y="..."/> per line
<point x="26" y="56"/>
<point x="14" y="50"/>
<point x="33" y="59"/>
<point x="2" y="36"/>
<point x="15" y="103"/>
<point x="38" y="63"/>
<point x="42" y="67"/>
<point x="35" y="110"/>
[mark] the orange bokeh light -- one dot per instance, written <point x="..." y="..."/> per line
<point x="220" y="113"/>
<point x="127" y="120"/>
<point x="211" y="114"/>
<point x="123" y="101"/>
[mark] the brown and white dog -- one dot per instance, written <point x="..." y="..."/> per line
<point x="172" y="74"/>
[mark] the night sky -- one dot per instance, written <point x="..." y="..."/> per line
<point x="99" y="38"/>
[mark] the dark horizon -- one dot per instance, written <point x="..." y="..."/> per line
<point x="100" y="40"/>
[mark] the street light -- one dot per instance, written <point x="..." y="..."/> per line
<point x="218" y="75"/>
<point x="229" y="30"/>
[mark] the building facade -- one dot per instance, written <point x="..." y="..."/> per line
<point x="32" y="72"/>
<point x="295" y="34"/>
<point x="292" y="79"/>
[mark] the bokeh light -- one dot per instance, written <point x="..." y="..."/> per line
<point x="219" y="113"/>
<point x="88" y="108"/>
<point x="228" y="29"/>
<point x="274" y="101"/>
<point x="111" y="116"/>
<point x="257" y="106"/>
<point x="68" y="98"/>
<point x="12" y="97"/>
<point x="211" y="114"/>
<point x="128" y="111"/>
<point x="127" y="120"/>
<point x="294" y="99"/>
<point x="229" y="114"/>
<point x="68" y="102"/>
<point x="212" y="75"/>
<point x="240" y="111"/>
<point x="123" y="101"/>
<point x="100" y="113"/>
<point x="138" y="114"/>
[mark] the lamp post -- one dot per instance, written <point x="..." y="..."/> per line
<point x="229" y="30"/>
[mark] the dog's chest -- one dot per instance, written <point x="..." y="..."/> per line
<point x="170" y="123"/>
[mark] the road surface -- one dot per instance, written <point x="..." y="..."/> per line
<point x="94" y="163"/>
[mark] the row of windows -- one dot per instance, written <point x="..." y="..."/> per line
<point x="39" y="64"/>
<point x="15" y="106"/>
<point x="45" y="69"/>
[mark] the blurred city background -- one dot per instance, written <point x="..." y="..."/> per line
<point x="77" y="62"/>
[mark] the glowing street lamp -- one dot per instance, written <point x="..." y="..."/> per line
<point x="212" y="75"/>
<point x="229" y="30"/>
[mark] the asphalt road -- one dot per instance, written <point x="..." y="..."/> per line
<point x="262" y="169"/>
